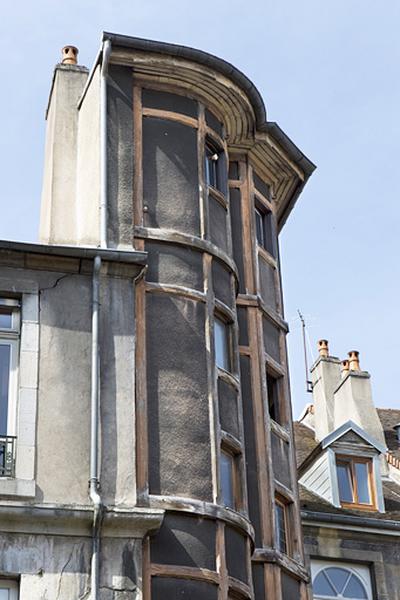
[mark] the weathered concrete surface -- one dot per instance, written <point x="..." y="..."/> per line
<point x="58" y="567"/>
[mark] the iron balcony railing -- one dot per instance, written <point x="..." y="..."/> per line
<point x="7" y="455"/>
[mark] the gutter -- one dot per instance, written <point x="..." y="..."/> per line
<point x="94" y="481"/>
<point x="132" y="257"/>
<point x="381" y="526"/>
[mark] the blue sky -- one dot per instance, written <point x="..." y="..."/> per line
<point x="329" y="75"/>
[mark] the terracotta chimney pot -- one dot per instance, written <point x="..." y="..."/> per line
<point x="69" y="55"/>
<point x="354" y="361"/>
<point x="345" y="367"/>
<point x="323" y="348"/>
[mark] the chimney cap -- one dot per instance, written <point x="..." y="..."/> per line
<point x="69" y="55"/>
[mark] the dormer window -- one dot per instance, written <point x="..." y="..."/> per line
<point x="355" y="481"/>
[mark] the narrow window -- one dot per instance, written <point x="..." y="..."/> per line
<point x="227" y="479"/>
<point x="273" y="393"/>
<point x="355" y="480"/>
<point x="230" y="493"/>
<point x="281" y="531"/>
<point x="264" y="229"/>
<point x="9" y="337"/>
<point x="215" y="169"/>
<point x="222" y="344"/>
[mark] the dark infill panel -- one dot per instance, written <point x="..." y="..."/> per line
<point x="218" y="229"/>
<point x="171" y="102"/>
<point x="177" y="398"/>
<point x="258" y="581"/>
<point x="228" y="408"/>
<point x="119" y="155"/>
<point x="222" y="283"/>
<point x="250" y="447"/>
<point x="233" y="172"/>
<point x="261" y="186"/>
<point x="243" y="328"/>
<point x="290" y="587"/>
<point x="280" y="459"/>
<point x="267" y="283"/>
<point x="174" y="265"/>
<point x="271" y="335"/>
<point x="214" y="123"/>
<point x="186" y="541"/>
<point x="169" y="588"/>
<point x="236" y="554"/>
<point x="237" y="240"/>
<point x="170" y="176"/>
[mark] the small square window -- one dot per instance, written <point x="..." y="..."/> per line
<point x="281" y="526"/>
<point x="355" y="481"/>
<point x="264" y="230"/>
<point x="222" y="344"/>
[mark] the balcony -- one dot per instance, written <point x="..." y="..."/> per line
<point x="7" y="456"/>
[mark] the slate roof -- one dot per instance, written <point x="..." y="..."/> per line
<point x="305" y="444"/>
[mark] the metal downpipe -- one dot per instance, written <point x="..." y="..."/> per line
<point x="94" y="482"/>
<point x="103" y="143"/>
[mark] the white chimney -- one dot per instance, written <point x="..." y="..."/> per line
<point x="325" y="375"/>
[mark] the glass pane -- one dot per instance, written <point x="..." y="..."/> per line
<point x="226" y="468"/>
<point x="338" y="577"/>
<point x="355" y="589"/>
<point x="5" y="322"/>
<point x="273" y="398"/>
<point x="280" y="528"/>
<point x="361" y="470"/>
<point x="345" y="482"/>
<point x="259" y="227"/>
<point x="5" y="355"/>
<point x="4" y="594"/>
<point x="322" y="586"/>
<point x="211" y="167"/>
<point x="221" y="341"/>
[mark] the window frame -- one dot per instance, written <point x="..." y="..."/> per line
<point x="12" y="586"/>
<point x="10" y="336"/>
<point x="285" y="506"/>
<point x="361" y="571"/>
<point x="266" y="219"/>
<point x="351" y="460"/>
<point x="213" y="149"/>
<point x="218" y="318"/>
<point x="234" y="457"/>
<point x="278" y="383"/>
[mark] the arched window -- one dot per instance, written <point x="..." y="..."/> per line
<point x="340" y="582"/>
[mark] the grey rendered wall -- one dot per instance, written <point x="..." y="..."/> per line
<point x="64" y="390"/>
<point x="88" y="167"/>
<point x="120" y="156"/>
